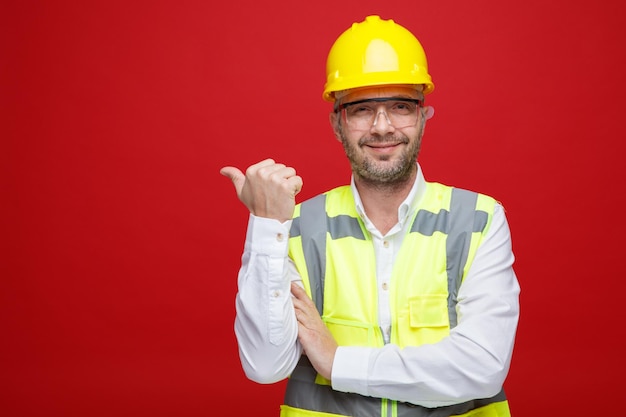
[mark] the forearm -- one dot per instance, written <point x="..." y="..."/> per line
<point x="265" y="323"/>
<point x="423" y="375"/>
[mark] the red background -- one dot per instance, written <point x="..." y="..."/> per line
<point x="121" y="242"/>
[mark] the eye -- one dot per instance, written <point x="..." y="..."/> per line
<point x="360" y="110"/>
<point x="402" y="107"/>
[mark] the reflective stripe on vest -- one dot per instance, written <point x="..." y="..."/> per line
<point x="303" y="393"/>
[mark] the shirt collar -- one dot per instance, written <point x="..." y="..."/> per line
<point x="407" y="207"/>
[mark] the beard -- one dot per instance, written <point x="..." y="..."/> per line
<point x="381" y="171"/>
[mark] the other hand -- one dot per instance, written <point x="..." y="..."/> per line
<point x="318" y="343"/>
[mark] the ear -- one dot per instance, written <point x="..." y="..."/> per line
<point x="429" y="112"/>
<point x="333" y="117"/>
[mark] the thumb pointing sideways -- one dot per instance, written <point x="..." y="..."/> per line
<point x="236" y="176"/>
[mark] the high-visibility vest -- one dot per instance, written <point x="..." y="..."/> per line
<point x="334" y="254"/>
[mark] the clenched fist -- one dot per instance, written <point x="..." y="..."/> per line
<point x="268" y="189"/>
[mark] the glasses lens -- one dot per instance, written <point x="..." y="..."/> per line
<point x="399" y="112"/>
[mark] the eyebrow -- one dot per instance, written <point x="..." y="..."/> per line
<point x="379" y="99"/>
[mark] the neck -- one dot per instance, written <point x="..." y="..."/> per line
<point x="381" y="201"/>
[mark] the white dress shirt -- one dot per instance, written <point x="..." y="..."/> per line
<point x="471" y="363"/>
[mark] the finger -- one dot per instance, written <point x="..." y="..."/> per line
<point x="300" y="306"/>
<point x="260" y="166"/>
<point x="265" y="162"/>
<point x="298" y="291"/>
<point x="276" y="172"/>
<point x="235" y="175"/>
<point x="229" y="171"/>
<point x="301" y="300"/>
<point x="295" y="184"/>
<point x="303" y="317"/>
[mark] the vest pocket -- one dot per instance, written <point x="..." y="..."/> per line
<point x="429" y="310"/>
<point x="426" y="320"/>
<point x="353" y="333"/>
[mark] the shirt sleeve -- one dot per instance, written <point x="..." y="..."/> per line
<point x="472" y="362"/>
<point x="265" y="322"/>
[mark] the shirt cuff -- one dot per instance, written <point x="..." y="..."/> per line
<point x="268" y="236"/>
<point x="350" y="366"/>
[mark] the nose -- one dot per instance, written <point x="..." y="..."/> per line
<point x="383" y="126"/>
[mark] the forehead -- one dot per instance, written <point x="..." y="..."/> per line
<point x="381" y="91"/>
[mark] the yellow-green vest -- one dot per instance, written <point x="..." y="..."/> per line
<point x="334" y="253"/>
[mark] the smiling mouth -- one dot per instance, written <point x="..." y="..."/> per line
<point x="381" y="146"/>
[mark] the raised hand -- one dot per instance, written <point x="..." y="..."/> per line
<point x="268" y="189"/>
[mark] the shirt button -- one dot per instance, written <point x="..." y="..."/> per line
<point x="280" y="237"/>
<point x="385" y="286"/>
<point x="386" y="243"/>
<point x="276" y="293"/>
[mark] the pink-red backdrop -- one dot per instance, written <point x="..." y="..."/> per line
<point x="121" y="242"/>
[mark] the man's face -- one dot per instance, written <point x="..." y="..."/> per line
<point x="379" y="152"/>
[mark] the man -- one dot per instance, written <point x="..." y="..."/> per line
<point x="392" y="296"/>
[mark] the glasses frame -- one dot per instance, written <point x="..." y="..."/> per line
<point x="341" y="107"/>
